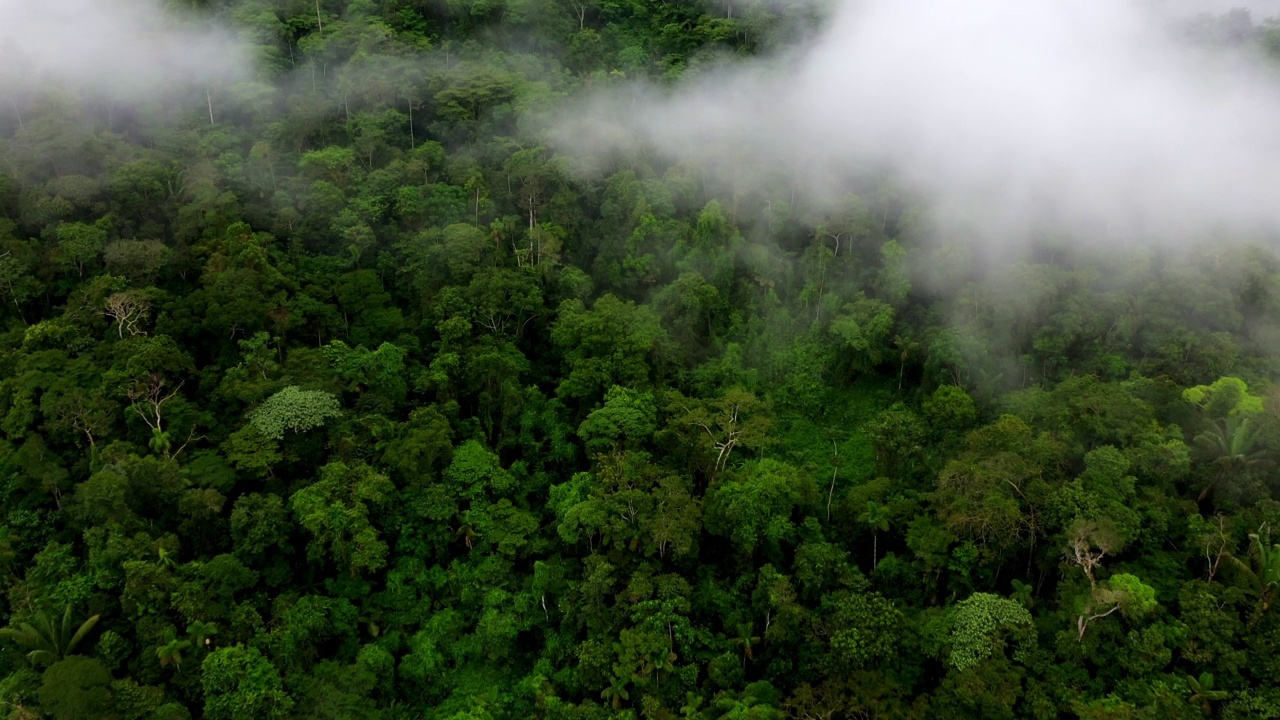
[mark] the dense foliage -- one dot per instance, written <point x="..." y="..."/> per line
<point x="336" y="394"/>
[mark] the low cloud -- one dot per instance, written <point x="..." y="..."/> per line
<point x="1085" y="115"/>
<point x="122" y="49"/>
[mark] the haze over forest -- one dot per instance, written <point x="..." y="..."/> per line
<point x="589" y="359"/>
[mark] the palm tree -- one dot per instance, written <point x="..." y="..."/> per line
<point x="1202" y="692"/>
<point x="7" y="553"/>
<point x="171" y="652"/>
<point x="201" y="633"/>
<point x="1022" y="594"/>
<point x="1263" y="568"/>
<point x="877" y="517"/>
<point x="616" y="693"/>
<point x="372" y="620"/>
<point x="746" y="640"/>
<point x="663" y="662"/>
<point x="906" y="347"/>
<point x="1231" y="442"/>
<point x="50" y="642"/>
<point x="467" y="533"/>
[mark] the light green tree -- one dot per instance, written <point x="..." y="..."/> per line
<point x="1122" y="592"/>
<point x="866" y="328"/>
<point x="336" y="509"/>
<point x="983" y="624"/>
<point x="80" y="244"/>
<point x="293" y="409"/>
<point x="627" y="418"/>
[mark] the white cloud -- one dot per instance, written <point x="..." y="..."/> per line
<point x="1087" y="111"/>
<point x="120" y="48"/>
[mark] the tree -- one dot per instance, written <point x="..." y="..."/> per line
<point x="862" y="628"/>
<point x="201" y="633"/>
<point x="170" y="653"/>
<point x="876" y="517"/>
<point x="1202" y="693"/>
<point x="745" y="640"/>
<point x="17" y="282"/>
<point x="1090" y="542"/>
<point x="293" y="409"/>
<point x="753" y="506"/>
<point x="255" y="375"/>
<point x="80" y="244"/>
<point x="1121" y="592"/>
<point x="613" y="343"/>
<point x="137" y="260"/>
<point x="949" y="409"/>
<point x="983" y="624"/>
<point x="336" y="510"/>
<point x="424" y="445"/>
<point x="80" y="411"/>
<point x="1232" y="444"/>
<point x="717" y="427"/>
<point x="630" y="503"/>
<point x="77" y="688"/>
<point x="147" y="399"/>
<point x="333" y="164"/>
<point x="898" y="436"/>
<point x="471" y="91"/>
<point x="50" y="641"/>
<point x="988" y="492"/>
<point x="627" y="418"/>
<point x="1227" y="396"/>
<point x="241" y="684"/>
<point x="616" y="693"/>
<point x="128" y="309"/>
<point x="866" y="328"/>
<point x="1262" y="569"/>
<point x="251" y="452"/>
<point x="379" y="371"/>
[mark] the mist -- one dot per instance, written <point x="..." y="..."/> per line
<point x="118" y="49"/>
<point x="1097" y="118"/>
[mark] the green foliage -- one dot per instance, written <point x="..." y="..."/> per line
<point x="50" y="641"/>
<point x="627" y="417"/>
<point x="1226" y="396"/>
<point x="866" y="629"/>
<point x="754" y="506"/>
<point x="950" y="409"/>
<point x="293" y="409"/>
<point x="336" y="509"/>
<point x="240" y="684"/>
<point x="613" y="343"/>
<point x="982" y="625"/>
<point x="77" y="687"/>
<point x="866" y="328"/>
<point x="1134" y="597"/>
<point x="604" y="435"/>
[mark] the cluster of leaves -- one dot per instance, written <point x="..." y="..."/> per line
<point x="352" y="402"/>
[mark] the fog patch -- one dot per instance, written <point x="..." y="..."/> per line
<point x="1096" y="118"/>
<point x="115" y="49"/>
